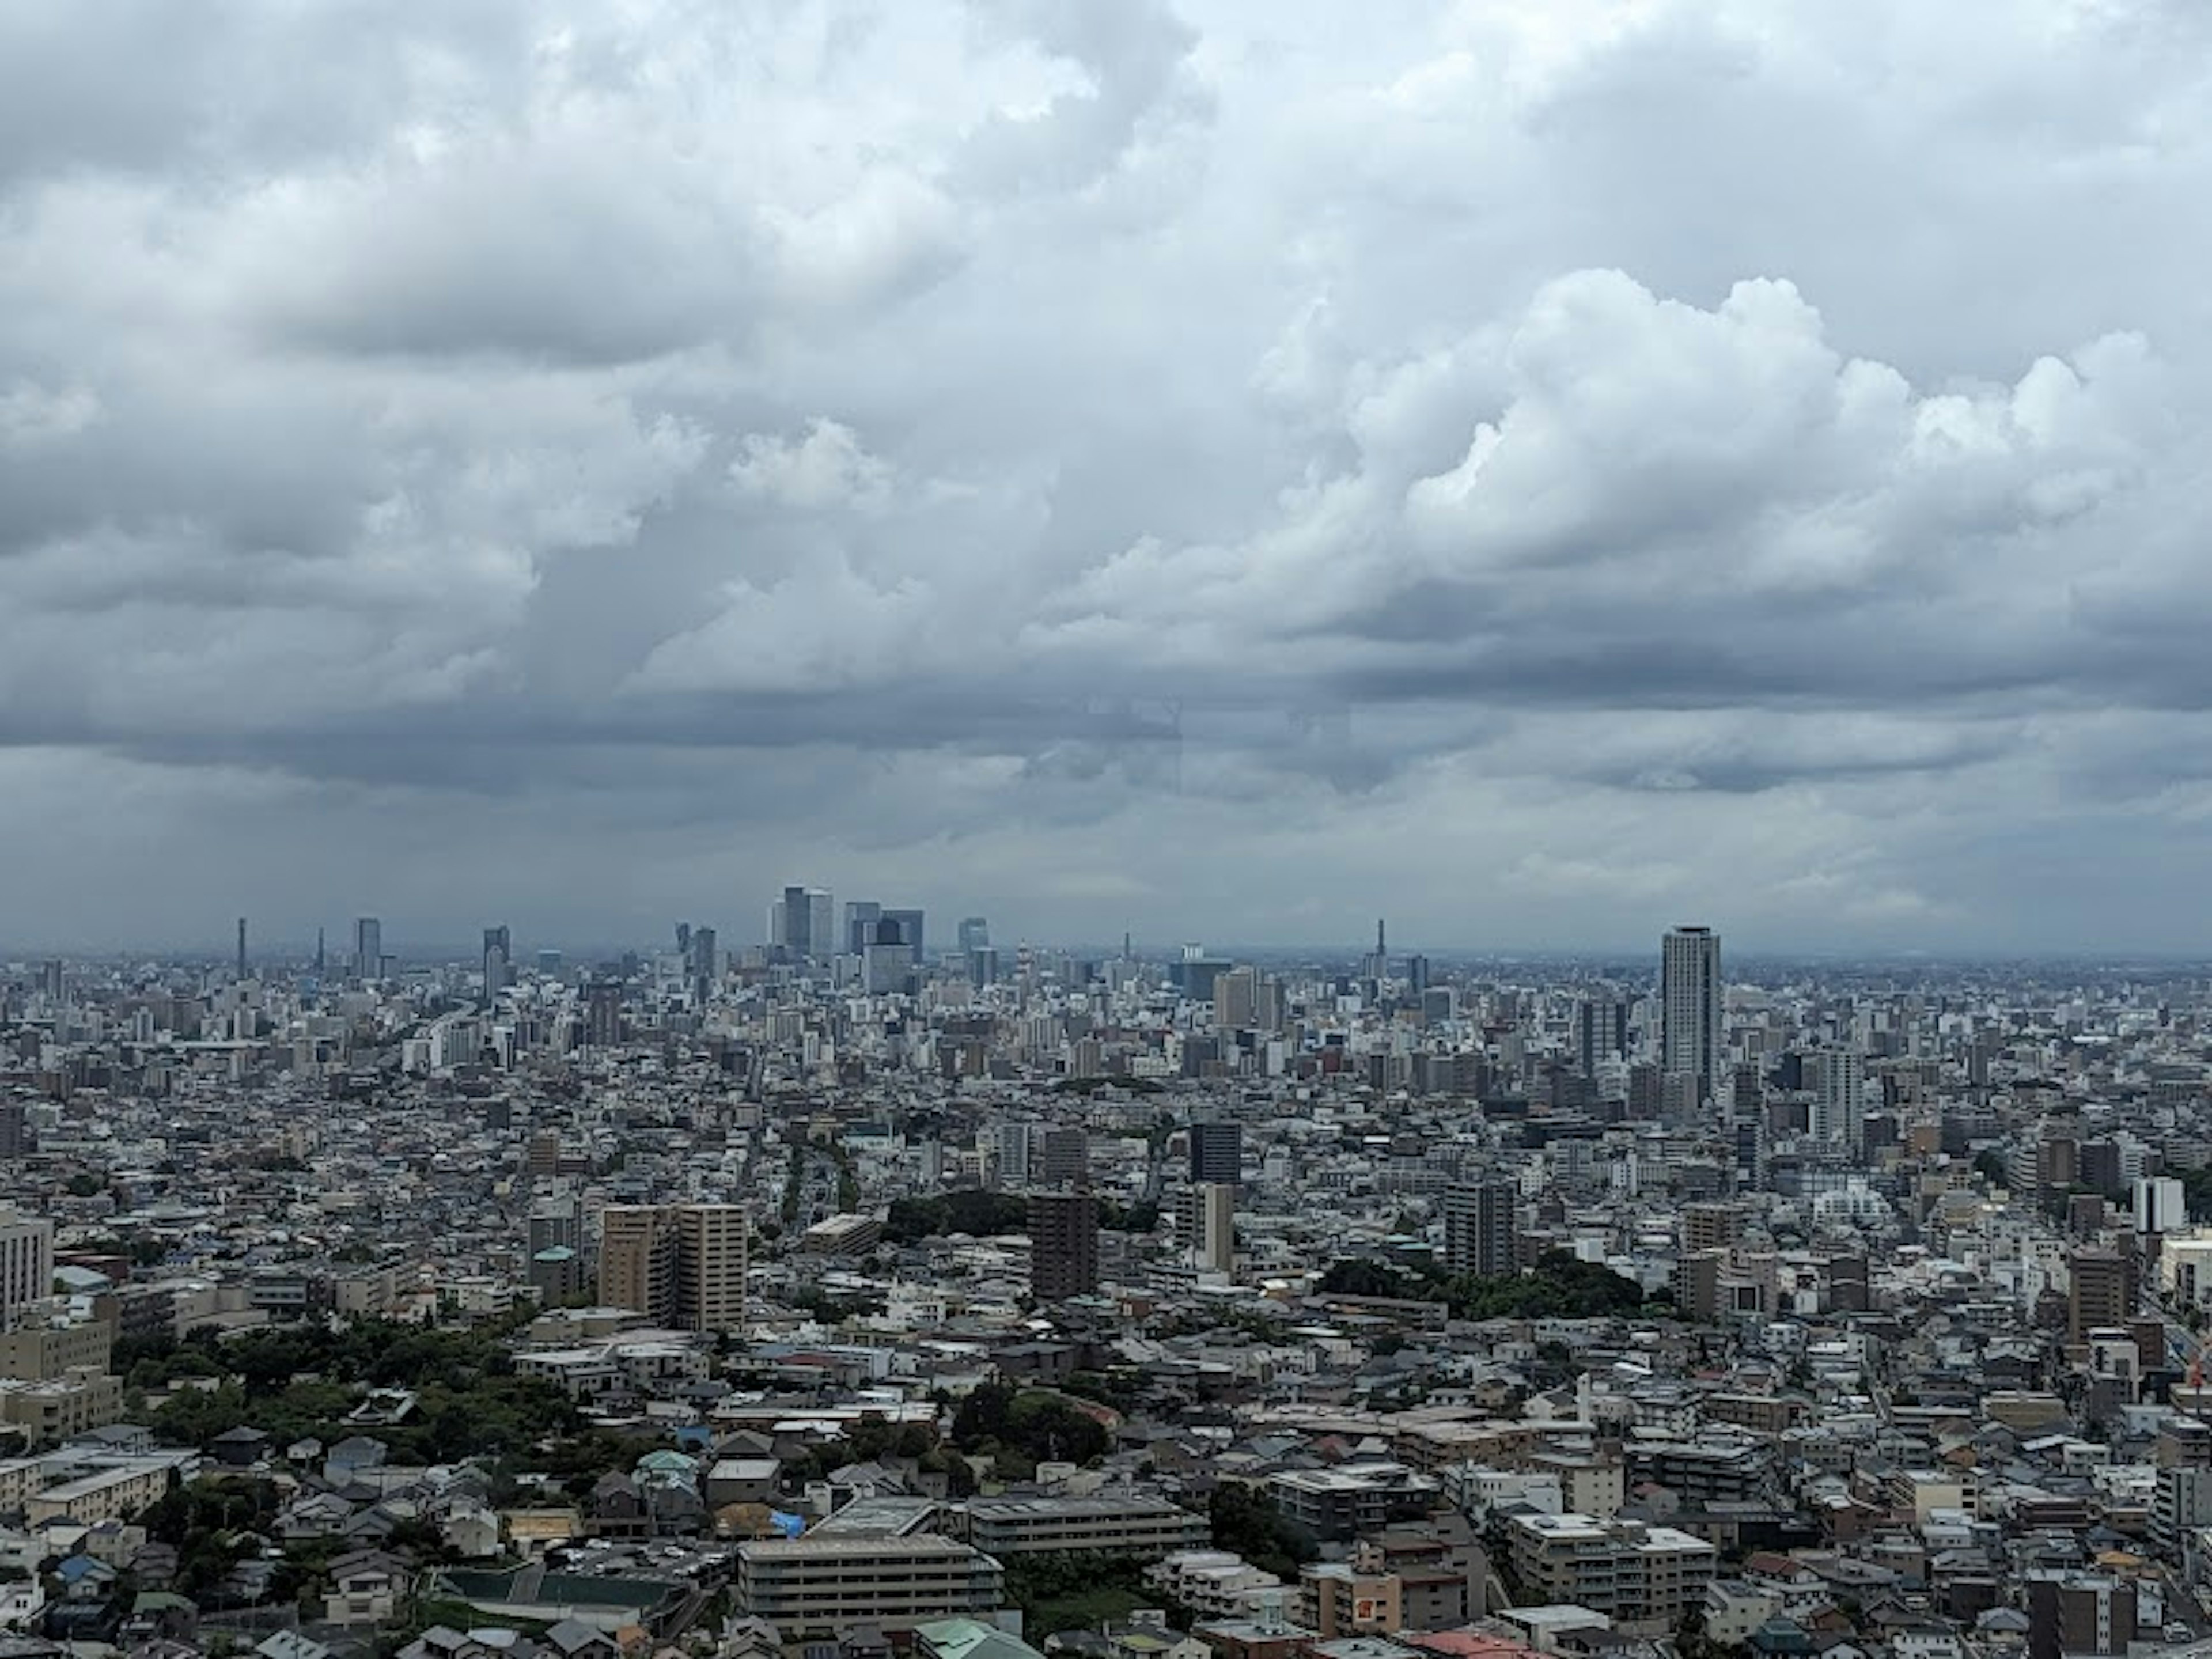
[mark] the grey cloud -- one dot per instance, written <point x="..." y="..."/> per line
<point x="1126" y="464"/>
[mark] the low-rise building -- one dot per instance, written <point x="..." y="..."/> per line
<point x="828" y="1582"/>
<point x="1134" y="1525"/>
<point x="1635" y="1574"/>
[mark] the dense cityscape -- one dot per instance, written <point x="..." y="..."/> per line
<point x="861" y="1290"/>
<point x="1491" y="729"/>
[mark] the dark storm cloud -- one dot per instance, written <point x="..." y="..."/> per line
<point x="1165" y="464"/>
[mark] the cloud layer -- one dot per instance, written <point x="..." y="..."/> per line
<point x="1542" y="472"/>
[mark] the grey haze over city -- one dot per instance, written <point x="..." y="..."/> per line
<point x="1542" y="470"/>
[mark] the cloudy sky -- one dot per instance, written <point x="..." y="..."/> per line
<point x="1540" y="470"/>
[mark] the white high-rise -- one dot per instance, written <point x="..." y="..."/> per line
<point x="1691" y="1041"/>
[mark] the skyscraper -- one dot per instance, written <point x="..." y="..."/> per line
<point x="974" y="934"/>
<point x="910" y="924"/>
<point x="498" y="953"/>
<point x="804" y="922"/>
<point x="367" y="949"/>
<point x="861" y="916"/>
<point x="1691" y="1041"/>
<point x="242" y="949"/>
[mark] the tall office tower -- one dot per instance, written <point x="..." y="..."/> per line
<point x="1269" y="1007"/>
<point x="367" y="949"/>
<point x="241" y="949"/>
<point x="637" y="1259"/>
<point x="1063" y="1245"/>
<point x="1479" y="1226"/>
<point x="1235" y="998"/>
<point x="804" y="922"/>
<point x="910" y="924"/>
<point x="683" y="940"/>
<point x="710" y="1267"/>
<point x="321" y="960"/>
<point x="974" y="934"/>
<point x="1601" y="1031"/>
<point x="1012" y="1142"/>
<point x="1840" y="1109"/>
<point x="602" y="1014"/>
<point x="1064" y="1157"/>
<point x="887" y="960"/>
<point x="1213" y="1234"/>
<point x="1379" y="963"/>
<point x="983" y="966"/>
<point x="1690" y="1038"/>
<point x="498" y="956"/>
<point x="1417" y="973"/>
<point x="2101" y="1291"/>
<point x="27" y="1263"/>
<point x="861" y="916"/>
<point x="1217" y="1153"/>
<point x="702" y="960"/>
<point x="15" y="1129"/>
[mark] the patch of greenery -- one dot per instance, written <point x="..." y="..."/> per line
<point x="1245" y="1520"/>
<point x="1065" y="1592"/>
<point x="966" y="1209"/>
<point x="1559" y="1286"/>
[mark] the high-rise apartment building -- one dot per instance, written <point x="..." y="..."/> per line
<point x="1217" y="1152"/>
<point x="1063" y="1157"/>
<point x="16" y="1139"/>
<point x="710" y="1267"/>
<point x="1691" y="1040"/>
<point x="368" y="948"/>
<point x="1839" y="1108"/>
<point x="679" y="1264"/>
<point x="637" y="1259"/>
<point x="2101" y="1292"/>
<point x="1479" y="1226"/>
<point x="1213" y="1232"/>
<point x="1012" y="1142"/>
<point x="1063" y="1245"/>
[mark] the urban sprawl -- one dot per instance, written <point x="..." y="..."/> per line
<point x="864" y="1291"/>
